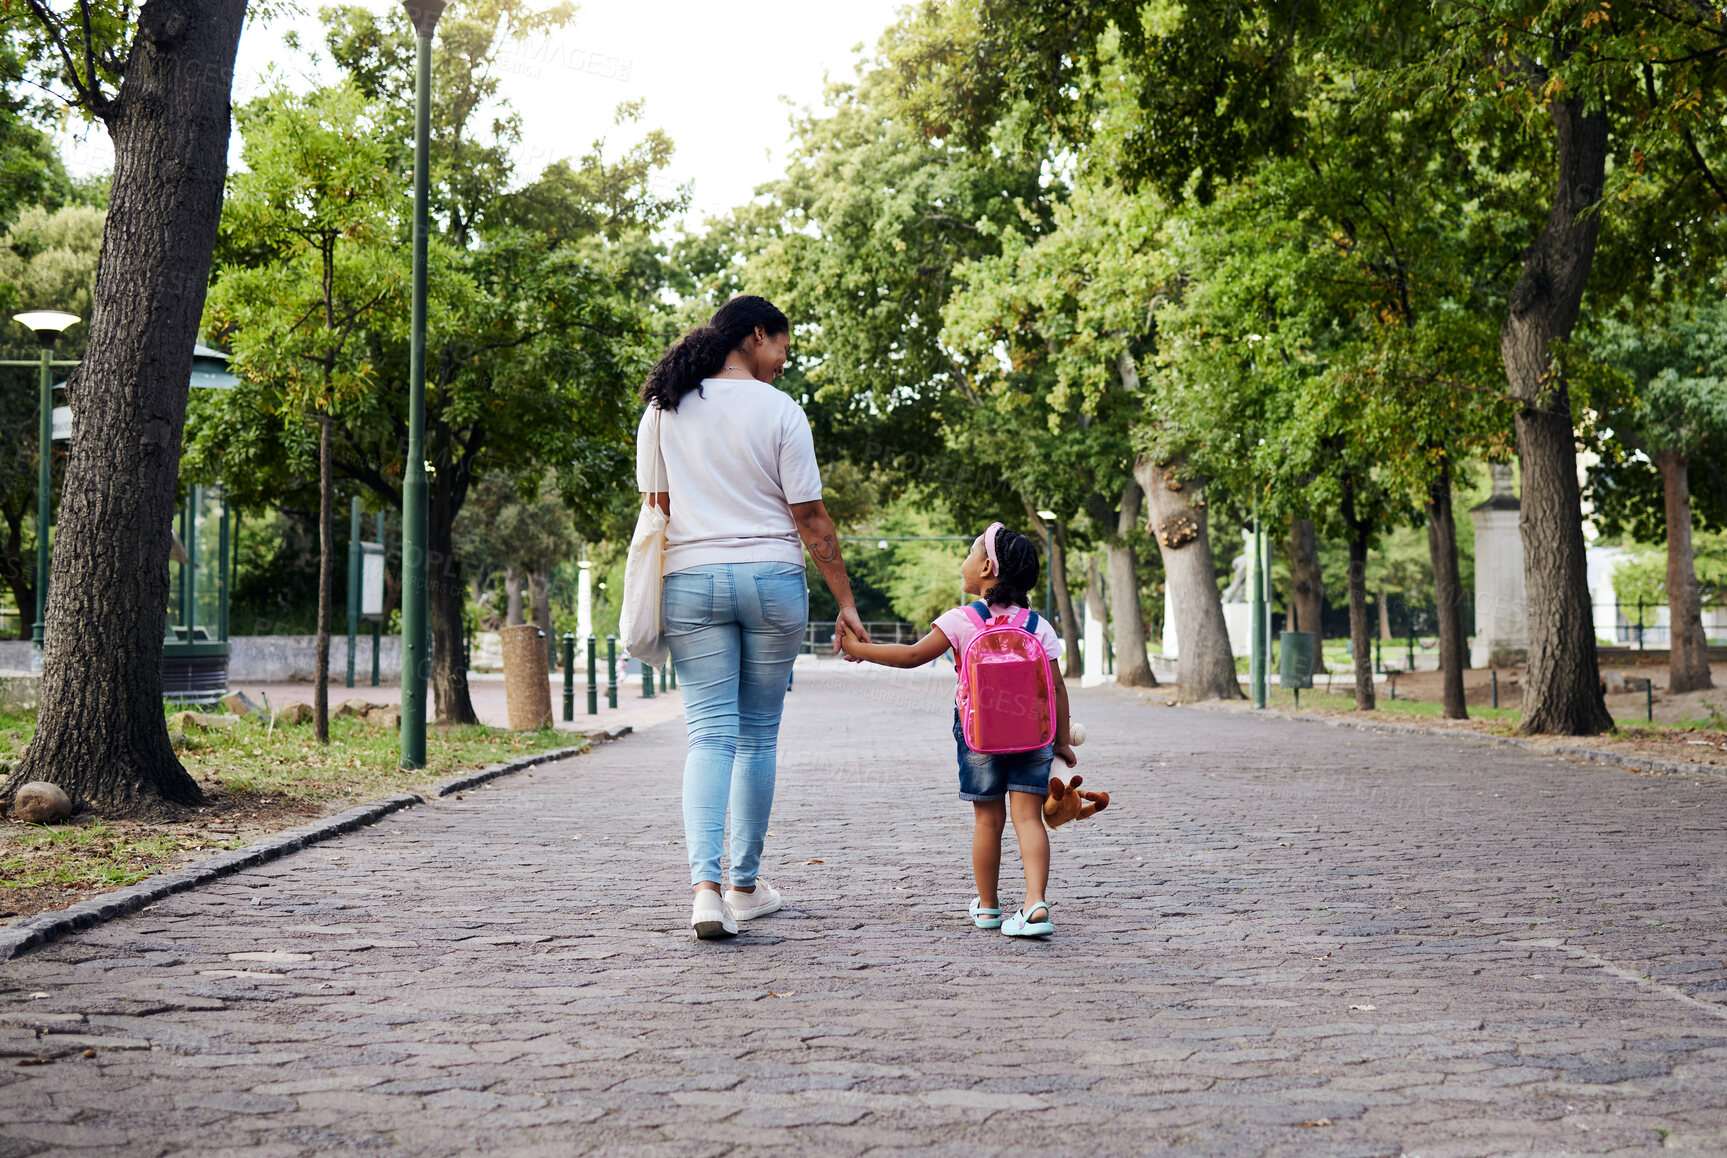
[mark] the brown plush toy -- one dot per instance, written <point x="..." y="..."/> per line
<point x="1066" y="802"/>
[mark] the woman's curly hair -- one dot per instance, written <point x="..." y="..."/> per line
<point x="1016" y="562"/>
<point x="702" y="352"/>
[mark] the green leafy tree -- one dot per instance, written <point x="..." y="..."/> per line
<point x="534" y="343"/>
<point x="47" y="261"/>
<point x="1670" y="410"/>
<point x="1615" y="112"/>
<point x="317" y="198"/>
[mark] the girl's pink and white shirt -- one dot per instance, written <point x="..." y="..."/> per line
<point x="961" y="627"/>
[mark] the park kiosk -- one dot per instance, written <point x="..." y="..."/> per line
<point x="195" y="645"/>
<point x="200" y="566"/>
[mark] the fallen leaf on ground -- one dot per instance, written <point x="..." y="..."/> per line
<point x="1317" y="1122"/>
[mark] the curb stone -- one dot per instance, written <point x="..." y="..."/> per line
<point x="1577" y="751"/>
<point x="493" y="771"/>
<point x="51" y="926"/>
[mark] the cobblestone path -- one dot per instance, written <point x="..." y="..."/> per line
<point x="1283" y="938"/>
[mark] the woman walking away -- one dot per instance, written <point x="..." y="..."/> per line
<point x="1030" y="728"/>
<point x="743" y="490"/>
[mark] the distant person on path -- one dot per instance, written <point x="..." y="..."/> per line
<point x="1002" y="570"/>
<point x="744" y="490"/>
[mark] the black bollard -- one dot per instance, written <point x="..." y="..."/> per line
<point x="569" y="676"/>
<point x="611" y="671"/>
<point x="593" y="680"/>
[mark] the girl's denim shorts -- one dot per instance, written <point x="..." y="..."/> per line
<point x="983" y="776"/>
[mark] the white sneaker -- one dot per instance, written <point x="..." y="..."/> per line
<point x="712" y="918"/>
<point x="748" y="906"/>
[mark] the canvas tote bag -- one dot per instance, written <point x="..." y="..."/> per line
<point x="644" y="571"/>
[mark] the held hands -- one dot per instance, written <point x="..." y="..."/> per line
<point x="849" y="630"/>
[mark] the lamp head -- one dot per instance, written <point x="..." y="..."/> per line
<point x="423" y="15"/>
<point x="1049" y="515"/>
<point x="48" y="325"/>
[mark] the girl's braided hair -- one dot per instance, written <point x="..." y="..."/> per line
<point x="1016" y="559"/>
<point x="702" y="352"/>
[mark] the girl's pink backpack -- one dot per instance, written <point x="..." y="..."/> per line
<point x="1006" y="699"/>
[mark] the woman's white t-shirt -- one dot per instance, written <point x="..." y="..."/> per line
<point x="738" y="454"/>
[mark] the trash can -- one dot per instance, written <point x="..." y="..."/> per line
<point x="527" y="683"/>
<point x="1295" y="659"/>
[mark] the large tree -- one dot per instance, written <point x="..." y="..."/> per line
<point x="158" y="79"/>
<point x="1543" y="92"/>
<point x="1670" y="409"/>
<point x="317" y="198"/>
<point x="534" y="341"/>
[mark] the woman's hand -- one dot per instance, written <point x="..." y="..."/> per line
<point x="848" y="623"/>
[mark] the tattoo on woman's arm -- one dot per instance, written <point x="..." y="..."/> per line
<point x="825" y="549"/>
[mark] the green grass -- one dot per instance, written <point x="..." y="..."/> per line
<point x="362" y="760"/>
<point x="92" y="856"/>
<point x="287" y="764"/>
<point x="1317" y="698"/>
<point x="269" y="776"/>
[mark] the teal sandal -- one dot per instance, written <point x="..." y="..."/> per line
<point x="1019" y="926"/>
<point x="984" y="918"/>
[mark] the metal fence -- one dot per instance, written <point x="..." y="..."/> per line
<point x="819" y="637"/>
<point x="1645" y="625"/>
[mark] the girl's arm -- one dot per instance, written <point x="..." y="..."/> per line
<point x="1063" y="749"/>
<point x="895" y="654"/>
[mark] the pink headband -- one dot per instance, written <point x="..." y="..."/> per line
<point x="989" y="546"/>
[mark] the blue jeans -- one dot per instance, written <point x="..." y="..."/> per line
<point x="734" y="630"/>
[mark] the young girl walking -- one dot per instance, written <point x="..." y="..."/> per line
<point x="1002" y="570"/>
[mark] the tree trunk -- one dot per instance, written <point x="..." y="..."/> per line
<point x="1095" y="611"/>
<point x="1447" y="593"/>
<point x="1057" y="578"/>
<point x="1384" y="614"/>
<point x="1562" y="684"/>
<point x="101" y="734"/>
<point x="446" y="599"/>
<point x="1360" y="643"/>
<point x="1688" y="647"/>
<point x="326" y="573"/>
<point x="18" y="573"/>
<point x="1206" y="667"/>
<point x="1307" y="595"/>
<point x="540" y="589"/>
<point x="513" y="614"/>
<point x="1132" y="669"/>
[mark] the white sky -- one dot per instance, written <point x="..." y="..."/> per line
<point x="712" y="73"/>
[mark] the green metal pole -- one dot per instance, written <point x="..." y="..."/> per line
<point x="353" y="584"/>
<point x="672" y="666"/>
<point x="569" y="676"/>
<point x="415" y="531"/>
<point x="593" y="680"/>
<point x="1256" y="658"/>
<point x="647" y="682"/>
<point x="611" y="671"/>
<point x="44" y="483"/>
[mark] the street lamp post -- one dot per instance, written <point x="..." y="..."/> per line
<point x="48" y="325"/>
<point x="1048" y="518"/>
<point x="423" y="14"/>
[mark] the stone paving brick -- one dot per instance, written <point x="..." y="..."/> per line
<point x="1433" y="946"/>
